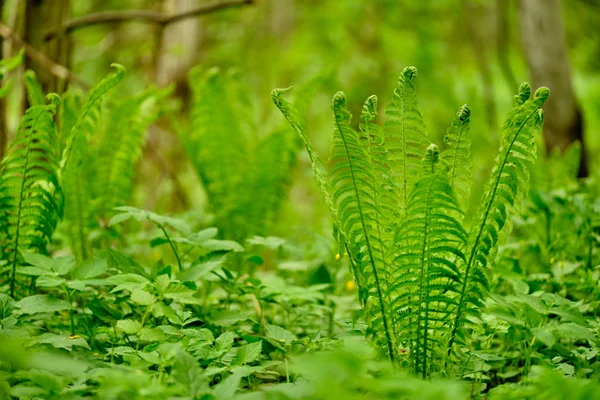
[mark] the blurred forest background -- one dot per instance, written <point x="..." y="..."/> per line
<point x="473" y="51"/>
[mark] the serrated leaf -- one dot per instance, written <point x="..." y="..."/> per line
<point x="61" y="341"/>
<point x="129" y="326"/>
<point x="280" y="334"/>
<point x="142" y="297"/>
<point x="225" y="341"/>
<point x="49" y="281"/>
<point x="248" y="353"/>
<point x="42" y="303"/>
<point x="545" y="334"/>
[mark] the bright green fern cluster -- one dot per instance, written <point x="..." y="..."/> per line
<point x="398" y="204"/>
<point x="245" y="168"/>
<point x="38" y="187"/>
<point x="101" y="151"/>
<point x="30" y="198"/>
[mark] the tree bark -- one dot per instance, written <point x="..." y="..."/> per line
<point x="543" y="37"/>
<point x="39" y="15"/>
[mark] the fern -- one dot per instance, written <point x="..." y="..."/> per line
<point x="507" y="184"/>
<point x="405" y="134"/>
<point x="458" y="156"/>
<point x="245" y="172"/>
<point x="35" y="94"/>
<point x="354" y="193"/>
<point x="120" y="148"/>
<point x="426" y="278"/>
<point x="29" y="187"/>
<point x="399" y="213"/>
<point x="76" y="187"/>
<point x="318" y="167"/>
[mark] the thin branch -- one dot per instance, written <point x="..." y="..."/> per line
<point x="154" y="17"/>
<point x="38" y="57"/>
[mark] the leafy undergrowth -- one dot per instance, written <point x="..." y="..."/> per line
<point x="147" y="306"/>
<point x="197" y="328"/>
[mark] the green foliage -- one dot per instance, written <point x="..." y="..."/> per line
<point x="101" y="151"/>
<point x="245" y="169"/>
<point x="504" y="190"/>
<point x="120" y="148"/>
<point x="78" y="218"/>
<point x="30" y="194"/>
<point x="160" y="308"/>
<point x="417" y="270"/>
<point x="35" y="95"/>
<point x="6" y="65"/>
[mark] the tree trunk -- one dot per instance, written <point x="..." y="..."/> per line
<point x="40" y="15"/>
<point x="543" y="37"/>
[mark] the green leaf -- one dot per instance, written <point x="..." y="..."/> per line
<point x="280" y="334"/>
<point x="248" y="353"/>
<point x="545" y="334"/>
<point x="60" y="341"/>
<point x="49" y="281"/>
<point x="225" y="341"/>
<point x="42" y="303"/>
<point x="187" y="372"/>
<point x="227" y="388"/>
<point x="142" y="297"/>
<point x="575" y="332"/>
<point x="129" y="326"/>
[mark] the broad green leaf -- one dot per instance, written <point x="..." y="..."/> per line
<point x="42" y="303"/>
<point x="49" y="281"/>
<point x="280" y="334"/>
<point x="225" y="341"/>
<point x="248" y="353"/>
<point x="129" y="326"/>
<point x="142" y="297"/>
<point x="60" y="341"/>
<point x="545" y="334"/>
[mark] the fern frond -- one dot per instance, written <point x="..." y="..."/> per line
<point x="318" y="167"/>
<point x="508" y="183"/>
<point x="35" y="94"/>
<point x="29" y="187"/>
<point x="458" y="156"/>
<point x="427" y="275"/>
<point x="354" y="193"/>
<point x="405" y="135"/>
<point x="121" y="147"/>
<point x="70" y="108"/>
<point x="76" y="187"/>
<point x="216" y="139"/>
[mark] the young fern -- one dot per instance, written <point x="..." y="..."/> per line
<point x="78" y="217"/>
<point x="508" y="183"/>
<point x="398" y="206"/>
<point x="354" y="194"/>
<point x="120" y="148"/>
<point x="35" y="94"/>
<point x="30" y="204"/>
<point x="245" y="172"/>
<point x="405" y="135"/>
<point x="458" y="156"/>
<point x="426" y="264"/>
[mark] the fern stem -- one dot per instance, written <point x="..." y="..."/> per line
<point x="422" y="291"/>
<point x="459" y="310"/>
<point x="368" y="243"/>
